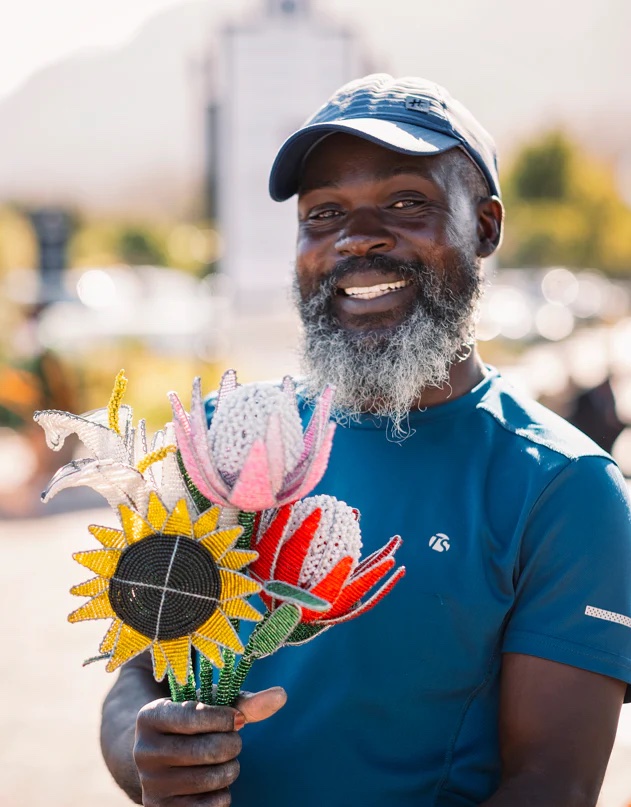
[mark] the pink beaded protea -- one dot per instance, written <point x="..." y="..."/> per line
<point x="254" y="456"/>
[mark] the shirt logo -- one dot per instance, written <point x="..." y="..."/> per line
<point x="440" y="542"/>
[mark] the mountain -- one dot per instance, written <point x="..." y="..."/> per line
<point x="119" y="129"/>
<point x="123" y="129"/>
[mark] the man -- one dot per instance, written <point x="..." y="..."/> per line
<point x="495" y="672"/>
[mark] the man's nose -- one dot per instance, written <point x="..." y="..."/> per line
<point x="364" y="234"/>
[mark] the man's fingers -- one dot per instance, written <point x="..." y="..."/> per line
<point x="153" y="750"/>
<point x="196" y="780"/>
<point x="221" y="798"/>
<point x="256" y="706"/>
<point x="165" y="717"/>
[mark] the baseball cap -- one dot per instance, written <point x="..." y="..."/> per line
<point x="410" y="115"/>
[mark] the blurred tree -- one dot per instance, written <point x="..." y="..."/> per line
<point x="140" y="246"/>
<point x="563" y="207"/>
<point x="18" y="248"/>
<point x="543" y="170"/>
<point x="106" y="242"/>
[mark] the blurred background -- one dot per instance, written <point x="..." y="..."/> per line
<point x="135" y="231"/>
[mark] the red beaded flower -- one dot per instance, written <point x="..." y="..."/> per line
<point x="314" y="546"/>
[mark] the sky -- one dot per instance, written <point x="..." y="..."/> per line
<point x="35" y="33"/>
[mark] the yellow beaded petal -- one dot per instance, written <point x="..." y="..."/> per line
<point x="218" y="629"/>
<point x="179" y="521"/>
<point x="98" y="608"/>
<point x="208" y="649"/>
<point x="91" y="587"/>
<point x="206" y="523"/>
<point x="238" y="558"/>
<point x="234" y="584"/>
<point x="159" y="662"/>
<point x="111" y="539"/>
<point x="100" y="561"/>
<point x="109" y="640"/>
<point x="219" y="542"/>
<point x="130" y="643"/>
<point x="177" y="652"/>
<point x="157" y="512"/>
<point x="134" y="525"/>
<point x="240" y="609"/>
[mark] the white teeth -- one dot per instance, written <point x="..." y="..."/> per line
<point x="370" y="292"/>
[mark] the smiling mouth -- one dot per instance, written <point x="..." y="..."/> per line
<point x="370" y="292"/>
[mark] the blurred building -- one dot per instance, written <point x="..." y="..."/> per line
<point x="272" y="71"/>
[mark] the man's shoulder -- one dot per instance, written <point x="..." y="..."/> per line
<point x="528" y="424"/>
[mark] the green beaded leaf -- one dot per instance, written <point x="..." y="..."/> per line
<point x="295" y="595"/>
<point x="272" y="632"/>
<point x="304" y="632"/>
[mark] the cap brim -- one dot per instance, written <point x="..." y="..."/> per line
<point x="403" y="137"/>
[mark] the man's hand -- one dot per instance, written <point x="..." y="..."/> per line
<point x="190" y="750"/>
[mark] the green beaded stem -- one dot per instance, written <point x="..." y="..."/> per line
<point x="201" y="502"/>
<point x="240" y="674"/>
<point x="225" y="677"/>
<point x="245" y="520"/>
<point x="226" y="694"/>
<point x="266" y="638"/>
<point x="183" y="692"/>
<point x="206" y="678"/>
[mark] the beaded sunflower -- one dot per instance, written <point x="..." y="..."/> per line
<point x="167" y="582"/>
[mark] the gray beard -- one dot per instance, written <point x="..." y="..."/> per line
<point x="385" y="372"/>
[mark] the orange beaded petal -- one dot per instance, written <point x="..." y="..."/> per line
<point x="294" y="551"/>
<point x="267" y="547"/>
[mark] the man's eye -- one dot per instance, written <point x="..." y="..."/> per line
<point x="406" y="204"/>
<point x="323" y="215"/>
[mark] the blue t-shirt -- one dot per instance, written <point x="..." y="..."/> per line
<point x="517" y="538"/>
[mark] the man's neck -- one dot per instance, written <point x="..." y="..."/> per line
<point x="463" y="377"/>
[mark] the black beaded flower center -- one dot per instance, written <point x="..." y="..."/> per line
<point x="165" y="586"/>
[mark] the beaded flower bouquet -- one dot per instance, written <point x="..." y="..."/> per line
<point x="209" y="518"/>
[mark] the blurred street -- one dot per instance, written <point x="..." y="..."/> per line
<point x="49" y="750"/>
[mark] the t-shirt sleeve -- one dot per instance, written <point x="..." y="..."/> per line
<point x="573" y="582"/>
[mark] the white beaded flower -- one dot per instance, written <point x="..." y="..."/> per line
<point x="122" y="466"/>
<point x="336" y="537"/>
<point x="255" y="455"/>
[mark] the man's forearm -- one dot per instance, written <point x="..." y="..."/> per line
<point x="134" y="688"/>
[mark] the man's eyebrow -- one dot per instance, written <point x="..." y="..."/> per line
<point x="417" y="170"/>
<point x="380" y="175"/>
<point x="317" y="185"/>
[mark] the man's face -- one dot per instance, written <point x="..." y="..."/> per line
<point x="387" y="275"/>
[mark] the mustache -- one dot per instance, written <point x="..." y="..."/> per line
<point x="429" y="285"/>
<point x="379" y="264"/>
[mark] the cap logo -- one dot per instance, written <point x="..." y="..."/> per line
<point x="417" y="104"/>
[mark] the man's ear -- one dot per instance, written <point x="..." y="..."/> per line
<point x="490" y="212"/>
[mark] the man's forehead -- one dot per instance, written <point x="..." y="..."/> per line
<point x="340" y="155"/>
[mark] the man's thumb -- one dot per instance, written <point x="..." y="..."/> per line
<point x="255" y="706"/>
